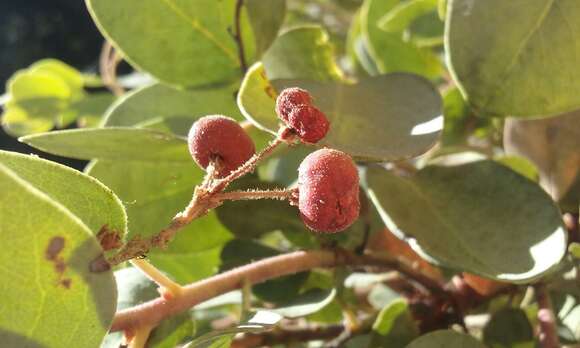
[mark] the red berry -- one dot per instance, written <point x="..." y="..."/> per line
<point x="328" y="191"/>
<point x="290" y="98"/>
<point x="219" y="137"/>
<point x="309" y="123"/>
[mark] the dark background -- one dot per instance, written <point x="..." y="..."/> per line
<point x="34" y="29"/>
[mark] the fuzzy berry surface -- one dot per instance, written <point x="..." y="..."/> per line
<point x="294" y="107"/>
<point x="309" y="123"/>
<point x="328" y="191"/>
<point x="220" y="137"/>
<point x="289" y="98"/>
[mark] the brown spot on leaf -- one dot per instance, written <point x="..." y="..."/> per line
<point x="99" y="265"/>
<point x="271" y="92"/>
<point x="52" y="254"/>
<point x="109" y="239"/>
<point x="66" y="283"/>
<point x="54" y="248"/>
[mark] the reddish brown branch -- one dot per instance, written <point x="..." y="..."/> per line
<point x="548" y="334"/>
<point x="152" y="312"/>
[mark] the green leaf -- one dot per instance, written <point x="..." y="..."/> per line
<point x="446" y="339"/>
<point x="381" y="118"/>
<point x="159" y="101"/>
<point x="280" y="290"/>
<point x="574" y="250"/>
<point x="134" y="289"/>
<point x="302" y="53"/>
<point x="519" y="165"/>
<point x="356" y="50"/>
<point x="51" y="295"/>
<point x="42" y="96"/>
<point x="394" y="326"/>
<point x="507" y="328"/>
<point x="499" y="49"/>
<point x="305" y="304"/>
<point x="112" y="143"/>
<point x="89" y="200"/>
<point x="194" y="47"/>
<point x="261" y="321"/>
<point x="390" y="52"/>
<point x="266" y="18"/>
<point x="553" y="145"/>
<point x="483" y="218"/>
<point x="90" y="109"/>
<point x="154" y="192"/>
<point x="401" y="16"/>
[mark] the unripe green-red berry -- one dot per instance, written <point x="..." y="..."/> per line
<point x="222" y="138"/>
<point x="295" y="109"/>
<point x="328" y="191"/>
<point x="288" y="99"/>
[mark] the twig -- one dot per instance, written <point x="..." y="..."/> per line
<point x="108" y="61"/>
<point x="152" y="312"/>
<point x="140" y="338"/>
<point x="205" y="198"/>
<point x="546" y="319"/>
<point x="238" y="36"/>
<point x="280" y="194"/>
<point x="168" y="287"/>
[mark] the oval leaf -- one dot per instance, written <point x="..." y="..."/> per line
<point x="506" y="55"/>
<point x="112" y="143"/>
<point x="48" y="283"/>
<point x="479" y="217"/>
<point x="380" y="118"/>
<point x="95" y="204"/>
<point x="194" y="48"/>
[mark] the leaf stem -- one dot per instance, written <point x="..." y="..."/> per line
<point x="169" y="288"/>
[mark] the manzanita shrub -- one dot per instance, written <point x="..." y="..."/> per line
<point x="301" y="173"/>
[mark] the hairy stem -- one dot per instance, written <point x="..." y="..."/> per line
<point x="280" y="194"/>
<point x="152" y="312"/>
<point x="546" y="318"/>
<point x="141" y="337"/>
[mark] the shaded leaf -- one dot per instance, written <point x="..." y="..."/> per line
<point x="483" y="218"/>
<point x="446" y="339"/>
<point x="509" y="328"/>
<point x="280" y="290"/>
<point x="552" y="144"/>
<point x="498" y="49"/>
<point x="305" y="304"/>
<point x="265" y="17"/>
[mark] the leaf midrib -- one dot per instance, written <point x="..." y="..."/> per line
<point x="203" y="31"/>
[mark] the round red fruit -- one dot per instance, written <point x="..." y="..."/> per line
<point x="289" y="98"/>
<point x="222" y="138"/>
<point x="328" y="191"/>
<point x="309" y="123"/>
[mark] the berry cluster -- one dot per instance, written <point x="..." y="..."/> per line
<point x="295" y="109"/>
<point x="328" y="183"/>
